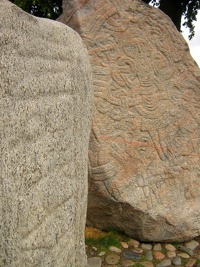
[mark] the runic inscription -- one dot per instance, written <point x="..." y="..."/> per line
<point x="145" y="140"/>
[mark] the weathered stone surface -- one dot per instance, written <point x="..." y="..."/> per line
<point x="144" y="148"/>
<point x="45" y="110"/>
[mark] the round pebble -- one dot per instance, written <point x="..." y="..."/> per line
<point x="171" y="254"/>
<point x="115" y="249"/>
<point x="133" y="243"/>
<point x="157" y="247"/>
<point x="124" y="245"/>
<point x="149" y="255"/>
<point x="94" y="262"/>
<point x="112" y="259"/>
<point x="131" y="255"/>
<point x="138" y="250"/>
<point x="183" y="255"/>
<point x="176" y="261"/>
<point x="127" y="263"/>
<point x="170" y="247"/>
<point x="158" y="255"/>
<point x="147" y="246"/>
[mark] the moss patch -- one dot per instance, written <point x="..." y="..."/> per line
<point x="101" y="240"/>
<point x="198" y="261"/>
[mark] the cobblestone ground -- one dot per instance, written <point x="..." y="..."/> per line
<point x="134" y="253"/>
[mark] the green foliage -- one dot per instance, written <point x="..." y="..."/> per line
<point x="190" y="15"/>
<point x="177" y="9"/>
<point x="47" y="9"/>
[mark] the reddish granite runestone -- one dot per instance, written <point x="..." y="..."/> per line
<point x="144" y="149"/>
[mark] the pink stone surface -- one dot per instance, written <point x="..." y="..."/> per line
<point x="144" y="164"/>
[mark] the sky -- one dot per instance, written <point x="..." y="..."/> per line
<point x="194" y="44"/>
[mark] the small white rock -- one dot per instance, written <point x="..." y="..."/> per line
<point x="124" y="245"/>
<point x="102" y="253"/>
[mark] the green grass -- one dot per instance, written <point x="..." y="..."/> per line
<point x="184" y="261"/>
<point x="104" y="242"/>
<point x="198" y="261"/>
<point x="121" y="235"/>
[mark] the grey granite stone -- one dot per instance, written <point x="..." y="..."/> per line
<point x="45" y="114"/>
